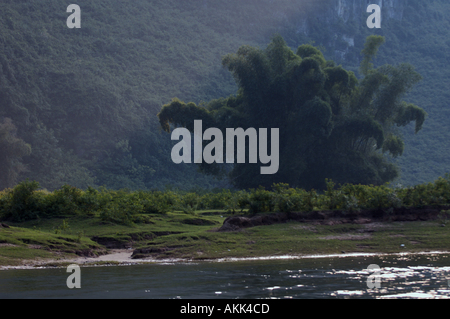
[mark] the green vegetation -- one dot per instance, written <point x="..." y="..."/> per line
<point x="184" y="224"/>
<point x="79" y="107"/>
<point x="84" y="102"/>
<point x="419" y="37"/>
<point x="12" y="149"/>
<point x="19" y="243"/>
<point x="331" y="124"/>
<point x="25" y="202"/>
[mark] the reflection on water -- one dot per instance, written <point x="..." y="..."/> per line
<point x="409" y="282"/>
<point x="406" y="276"/>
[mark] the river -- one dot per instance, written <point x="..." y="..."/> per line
<point x="399" y="276"/>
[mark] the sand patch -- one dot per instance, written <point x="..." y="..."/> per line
<point x="116" y="255"/>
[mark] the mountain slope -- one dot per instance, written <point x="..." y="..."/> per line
<point x="86" y="99"/>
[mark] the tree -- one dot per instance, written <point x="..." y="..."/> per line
<point x="12" y="149"/>
<point x="332" y="124"/>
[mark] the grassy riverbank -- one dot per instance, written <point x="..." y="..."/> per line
<point x="187" y="236"/>
<point x="40" y="225"/>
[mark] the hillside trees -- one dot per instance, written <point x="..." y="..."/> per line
<point x="332" y="124"/>
<point x="12" y="149"/>
<point x="77" y="95"/>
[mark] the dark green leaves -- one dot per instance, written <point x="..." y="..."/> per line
<point x="409" y="112"/>
<point x="12" y="149"/>
<point x="394" y="145"/>
<point x="371" y="47"/>
<point x="332" y="125"/>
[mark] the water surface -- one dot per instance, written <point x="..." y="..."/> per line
<point x="407" y="276"/>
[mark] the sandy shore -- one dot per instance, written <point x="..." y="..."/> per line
<point x="114" y="258"/>
<point x="116" y="255"/>
<point x="123" y="257"/>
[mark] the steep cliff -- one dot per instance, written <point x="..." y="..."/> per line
<point x="339" y="21"/>
<point x="352" y="9"/>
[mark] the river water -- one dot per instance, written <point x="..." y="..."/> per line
<point x="399" y="276"/>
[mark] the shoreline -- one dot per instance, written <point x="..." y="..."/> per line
<point x="122" y="257"/>
<point x="179" y="238"/>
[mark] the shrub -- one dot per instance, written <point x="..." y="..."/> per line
<point x="187" y="203"/>
<point x="309" y="201"/>
<point x="157" y="202"/>
<point x="260" y="200"/>
<point x="338" y="199"/>
<point x="88" y="202"/>
<point x="123" y="208"/>
<point x="238" y="200"/>
<point x="65" y="201"/>
<point x="25" y="201"/>
<point x="22" y="202"/>
<point x="218" y="200"/>
<point x="284" y="199"/>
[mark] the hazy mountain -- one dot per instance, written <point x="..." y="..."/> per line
<point x="86" y="99"/>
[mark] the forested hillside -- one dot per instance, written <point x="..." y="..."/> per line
<point x="79" y="106"/>
<point x="419" y="35"/>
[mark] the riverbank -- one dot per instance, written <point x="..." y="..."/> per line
<point x="71" y="223"/>
<point x="123" y="257"/>
<point x="208" y="236"/>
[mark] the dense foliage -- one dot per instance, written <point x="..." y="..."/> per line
<point x="27" y="202"/>
<point x="84" y="101"/>
<point x="332" y="125"/>
<point x="12" y="149"/>
<point x="417" y="35"/>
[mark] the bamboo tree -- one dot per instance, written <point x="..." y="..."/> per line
<point x="332" y="125"/>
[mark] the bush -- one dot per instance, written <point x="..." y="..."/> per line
<point x="238" y="200"/>
<point x="123" y="208"/>
<point x="157" y="202"/>
<point x="25" y="201"/>
<point x="218" y="200"/>
<point x="260" y="200"/>
<point x="88" y="202"/>
<point x="187" y="203"/>
<point x="285" y="199"/>
<point x="22" y="202"/>
<point x="65" y="201"/>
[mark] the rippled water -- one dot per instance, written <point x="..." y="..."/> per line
<point x="407" y="276"/>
